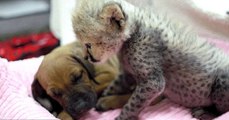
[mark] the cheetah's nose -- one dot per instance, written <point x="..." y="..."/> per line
<point x="88" y="45"/>
<point x="92" y="59"/>
<point x="89" y="56"/>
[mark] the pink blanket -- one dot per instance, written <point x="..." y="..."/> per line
<point x="16" y="101"/>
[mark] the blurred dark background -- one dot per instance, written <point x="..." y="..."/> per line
<point x="24" y="29"/>
<point x="23" y="16"/>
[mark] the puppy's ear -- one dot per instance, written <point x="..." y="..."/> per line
<point x="112" y="14"/>
<point x="37" y="90"/>
<point x="40" y="95"/>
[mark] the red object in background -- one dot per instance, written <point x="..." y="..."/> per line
<point x="28" y="46"/>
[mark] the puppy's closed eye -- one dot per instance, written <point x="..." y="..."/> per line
<point x="57" y="93"/>
<point x="77" y="78"/>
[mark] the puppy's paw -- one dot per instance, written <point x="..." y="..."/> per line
<point x="105" y="103"/>
<point x="111" y="102"/>
<point x="64" y="116"/>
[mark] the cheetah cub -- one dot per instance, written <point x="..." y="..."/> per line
<point x="160" y="55"/>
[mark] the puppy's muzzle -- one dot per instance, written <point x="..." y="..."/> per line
<point x="80" y="102"/>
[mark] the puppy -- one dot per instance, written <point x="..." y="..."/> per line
<point x="68" y="85"/>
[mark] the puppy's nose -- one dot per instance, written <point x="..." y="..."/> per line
<point x="80" y="102"/>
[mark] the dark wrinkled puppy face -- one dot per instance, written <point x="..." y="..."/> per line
<point x="68" y="83"/>
<point x="77" y="97"/>
<point x="79" y="101"/>
<point x="76" y="94"/>
<point x="100" y="27"/>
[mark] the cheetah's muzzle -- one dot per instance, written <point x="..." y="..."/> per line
<point x="89" y="55"/>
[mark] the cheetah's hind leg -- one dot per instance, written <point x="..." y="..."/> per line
<point x="220" y="91"/>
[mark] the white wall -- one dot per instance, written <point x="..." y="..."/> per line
<point x="60" y="21"/>
<point x="206" y="16"/>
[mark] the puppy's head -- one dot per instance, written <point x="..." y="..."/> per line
<point x="100" y="27"/>
<point x="66" y="82"/>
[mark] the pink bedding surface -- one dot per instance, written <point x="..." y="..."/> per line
<point x="16" y="101"/>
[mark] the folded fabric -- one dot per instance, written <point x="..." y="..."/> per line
<point x="15" y="91"/>
<point x="16" y="100"/>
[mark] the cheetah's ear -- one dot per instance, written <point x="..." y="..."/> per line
<point x="112" y="14"/>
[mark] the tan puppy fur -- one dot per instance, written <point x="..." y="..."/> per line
<point x="63" y="82"/>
